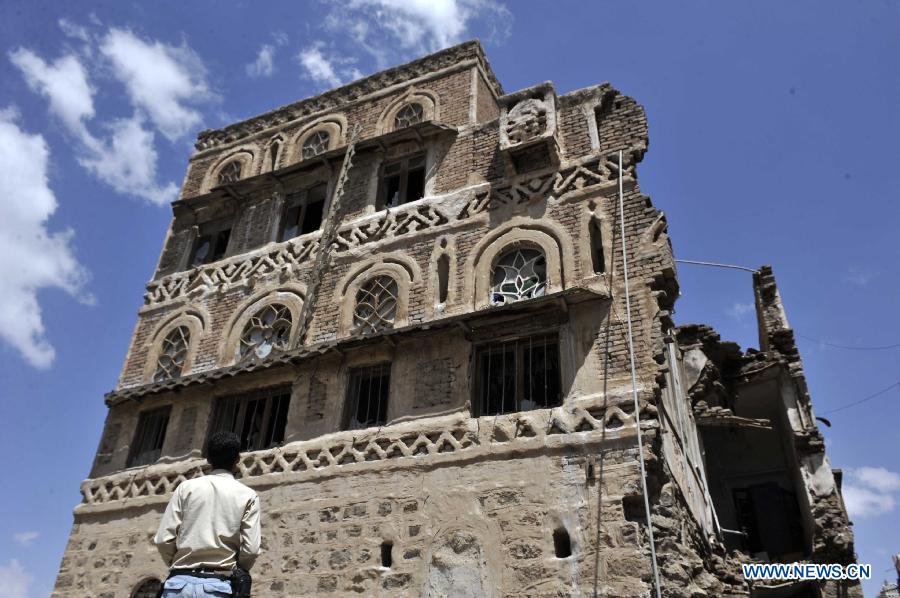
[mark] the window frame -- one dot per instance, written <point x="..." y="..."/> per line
<point x="139" y="456"/>
<point x="272" y="423"/>
<point x="351" y="402"/>
<point x="301" y="199"/>
<point x="220" y="172"/>
<point x="212" y="229"/>
<point x="403" y="173"/>
<point x="186" y="337"/>
<point x="480" y="401"/>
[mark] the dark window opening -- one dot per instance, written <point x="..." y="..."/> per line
<point x="597" y="256"/>
<point x="211" y="243"/>
<point x="368" y="397"/>
<point x="518" y="375"/>
<point x="562" y="544"/>
<point x="149" y="588"/>
<point x="149" y="437"/>
<point x="769" y="518"/>
<point x="443" y="272"/>
<point x="386" y="548"/>
<point x="402" y="181"/>
<point x="273" y="155"/>
<point x="303" y="212"/>
<point x="258" y="418"/>
<point x="633" y="509"/>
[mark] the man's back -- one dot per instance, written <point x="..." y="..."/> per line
<point x="208" y="519"/>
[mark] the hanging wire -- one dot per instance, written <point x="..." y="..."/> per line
<point x="848" y="347"/>
<point x="637" y="417"/>
<point x="868" y="398"/>
<point x="717" y="265"/>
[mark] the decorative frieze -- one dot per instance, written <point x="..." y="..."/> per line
<point x="345" y="451"/>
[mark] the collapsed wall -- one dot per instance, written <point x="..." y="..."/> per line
<point x="438" y="400"/>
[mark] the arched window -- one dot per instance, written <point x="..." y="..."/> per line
<point x="172" y="354"/>
<point x="408" y="115"/>
<point x="149" y="588"/>
<point x="268" y="331"/>
<point x="519" y="274"/>
<point x="316" y="144"/>
<point x="376" y="305"/>
<point x="274" y="151"/>
<point x="230" y="173"/>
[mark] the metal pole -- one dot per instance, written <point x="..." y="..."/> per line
<point x="637" y="416"/>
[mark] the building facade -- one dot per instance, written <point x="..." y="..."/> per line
<point x="406" y="295"/>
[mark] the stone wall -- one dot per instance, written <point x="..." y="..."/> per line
<point x="546" y="502"/>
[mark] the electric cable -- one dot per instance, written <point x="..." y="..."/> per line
<point x="848" y="347"/>
<point x="637" y="407"/>
<point x="868" y="398"/>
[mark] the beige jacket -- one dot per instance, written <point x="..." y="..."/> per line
<point x="207" y="519"/>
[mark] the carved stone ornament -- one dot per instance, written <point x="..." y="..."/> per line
<point x="527" y="120"/>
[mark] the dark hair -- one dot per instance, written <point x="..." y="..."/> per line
<point x="222" y="449"/>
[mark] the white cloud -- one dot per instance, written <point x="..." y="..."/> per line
<point x="31" y="257"/>
<point x="74" y="31"/>
<point x="26" y="538"/>
<point x="860" y="276"/>
<point x="127" y="161"/>
<point x="739" y="310"/>
<point x="862" y="502"/>
<point x="318" y="67"/>
<point x="264" y="65"/>
<point x="877" y="478"/>
<point x="161" y="80"/>
<point x="870" y="490"/>
<point x="126" y="157"/>
<point x="16" y="581"/>
<point x="418" y="26"/>
<point x="64" y="83"/>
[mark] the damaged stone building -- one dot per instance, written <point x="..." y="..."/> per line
<point x="407" y="296"/>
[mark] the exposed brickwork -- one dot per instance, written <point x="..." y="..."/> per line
<point x="468" y="505"/>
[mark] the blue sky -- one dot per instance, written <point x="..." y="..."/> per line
<point x="773" y="129"/>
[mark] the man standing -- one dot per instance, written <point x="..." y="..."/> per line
<point x="210" y="526"/>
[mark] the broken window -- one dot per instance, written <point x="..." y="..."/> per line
<point x="172" y="354"/>
<point x="148" y="437"/>
<point x="769" y="518"/>
<point x="402" y="181"/>
<point x="410" y="114"/>
<point x="519" y="274"/>
<point x="258" y="418"/>
<point x="303" y="212"/>
<point x="316" y="144"/>
<point x="376" y="305"/>
<point x="268" y="331"/>
<point x="598" y="259"/>
<point x="230" y="173"/>
<point x="367" y="397"/>
<point x="149" y="588"/>
<point x="517" y="375"/>
<point x="211" y="244"/>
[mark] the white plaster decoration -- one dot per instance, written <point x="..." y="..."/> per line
<point x="192" y="322"/>
<point x="433" y="439"/>
<point x="401" y="113"/>
<point x="231" y="167"/>
<point x="264" y="325"/>
<point x="266" y="333"/>
<point x="376" y="305"/>
<point x="518" y="275"/>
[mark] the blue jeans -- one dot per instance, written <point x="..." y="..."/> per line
<point x="188" y="586"/>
